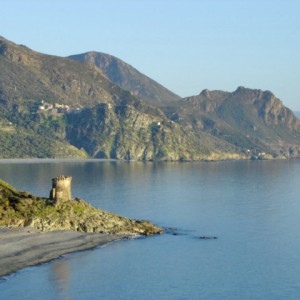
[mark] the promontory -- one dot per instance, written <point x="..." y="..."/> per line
<point x="37" y="229"/>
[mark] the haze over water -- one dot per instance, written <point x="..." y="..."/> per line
<point x="252" y="207"/>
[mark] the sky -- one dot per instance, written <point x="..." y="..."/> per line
<point x="186" y="45"/>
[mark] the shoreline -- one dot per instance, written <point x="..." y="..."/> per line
<point x="52" y="160"/>
<point x="21" y="247"/>
<point x="84" y="160"/>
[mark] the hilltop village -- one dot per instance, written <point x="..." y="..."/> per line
<point x="54" y="109"/>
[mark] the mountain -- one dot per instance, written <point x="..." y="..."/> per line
<point x="126" y="132"/>
<point x="128" y="78"/>
<point x="29" y="78"/>
<point x="29" y="75"/>
<point x="59" y="107"/>
<point x="253" y="120"/>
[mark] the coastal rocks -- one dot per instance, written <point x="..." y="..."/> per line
<point x="18" y="209"/>
<point x="208" y="238"/>
<point x="176" y="232"/>
<point x="80" y="216"/>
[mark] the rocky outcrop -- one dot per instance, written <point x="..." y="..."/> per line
<point x="79" y="215"/>
<point x="19" y="209"/>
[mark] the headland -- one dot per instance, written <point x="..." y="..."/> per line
<point x="34" y="230"/>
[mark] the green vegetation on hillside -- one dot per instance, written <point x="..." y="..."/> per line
<point x="254" y="121"/>
<point x="26" y="135"/>
<point x="59" y="107"/>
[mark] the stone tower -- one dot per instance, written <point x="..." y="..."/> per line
<point x="61" y="188"/>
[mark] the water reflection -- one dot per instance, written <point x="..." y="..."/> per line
<point x="60" y="279"/>
<point x="253" y="208"/>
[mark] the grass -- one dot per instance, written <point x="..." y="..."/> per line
<point x="4" y="184"/>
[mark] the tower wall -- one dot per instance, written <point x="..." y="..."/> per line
<point x="61" y="188"/>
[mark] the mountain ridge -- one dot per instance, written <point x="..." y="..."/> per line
<point x="58" y="78"/>
<point x="128" y="78"/>
<point x="52" y="106"/>
<point x="245" y="117"/>
<point x="37" y="81"/>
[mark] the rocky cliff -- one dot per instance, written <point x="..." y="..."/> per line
<point x="124" y="131"/>
<point x="253" y="120"/>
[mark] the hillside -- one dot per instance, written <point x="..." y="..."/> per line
<point x="128" y="78"/>
<point x="126" y="132"/>
<point x="250" y="119"/>
<point x="58" y="107"/>
<point x="29" y="75"/>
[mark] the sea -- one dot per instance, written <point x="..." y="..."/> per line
<point x="232" y="231"/>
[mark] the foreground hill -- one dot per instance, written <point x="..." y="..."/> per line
<point x="19" y="209"/>
<point x="128" y="78"/>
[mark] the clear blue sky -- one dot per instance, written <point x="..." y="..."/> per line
<point x="186" y="45"/>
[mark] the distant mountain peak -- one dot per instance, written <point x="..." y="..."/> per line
<point x="205" y="93"/>
<point x="241" y="90"/>
<point x="128" y="78"/>
<point x="27" y="74"/>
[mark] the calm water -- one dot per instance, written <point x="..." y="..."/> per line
<point x="252" y="207"/>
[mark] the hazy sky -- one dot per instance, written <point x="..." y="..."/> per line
<point x="185" y="45"/>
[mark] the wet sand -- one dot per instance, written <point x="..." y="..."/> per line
<point x="23" y="246"/>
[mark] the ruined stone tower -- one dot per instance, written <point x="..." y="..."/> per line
<point x="61" y="188"/>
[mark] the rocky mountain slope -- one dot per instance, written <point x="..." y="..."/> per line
<point x="29" y="75"/>
<point x="128" y="78"/>
<point x="253" y="120"/>
<point x="59" y="107"/>
<point x="125" y="131"/>
<point x="19" y="209"/>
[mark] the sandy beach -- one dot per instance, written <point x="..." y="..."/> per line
<point x="23" y="246"/>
